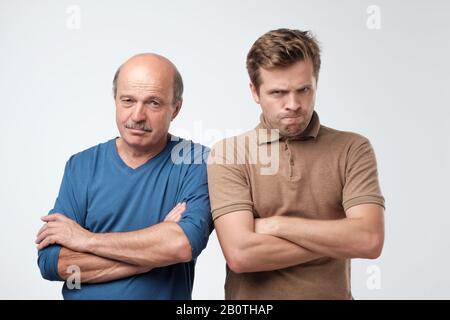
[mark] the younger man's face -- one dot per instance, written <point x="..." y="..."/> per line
<point x="287" y="97"/>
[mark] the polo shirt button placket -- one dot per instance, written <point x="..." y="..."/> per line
<point x="290" y="160"/>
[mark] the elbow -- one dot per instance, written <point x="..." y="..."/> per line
<point x="184" y="250"/>
<point x="44" y="274"/>
<point x="46" y="269"/>
<point x="373" y="246"/>
<point x="236" y="266"/>
<point x="48" y="263"/>
<point x="237" y="261"/>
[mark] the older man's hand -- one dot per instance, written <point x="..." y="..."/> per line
<point x="175" y="214"/>
<point x="64" y="231"/>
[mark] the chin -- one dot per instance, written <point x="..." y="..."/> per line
<point x="292" y="130"/>
<point x="137" y="141"/>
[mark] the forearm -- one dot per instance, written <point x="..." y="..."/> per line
<point x="95" y="269"/>
<point x="156" y="246"/>
<point x="260" y="252"/>
<point x="342" y="238"/>
<point x="248" y="251"/>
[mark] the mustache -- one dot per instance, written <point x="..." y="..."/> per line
<point x="138" y="125"/>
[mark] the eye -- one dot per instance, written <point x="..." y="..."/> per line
<point x="305" y="90"/>
<point x="154" y="103"/>
<point x="126" y="101"/>
<point x="276" y="92"/>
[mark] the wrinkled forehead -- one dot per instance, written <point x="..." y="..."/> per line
<point x="299" y="73"/>
<point x="146" y="78"/>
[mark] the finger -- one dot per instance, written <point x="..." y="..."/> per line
<point x="52" y="217"/>
<point x="47" y="232"/>
<point x="177" y="218"/>
<point x="45" y="226"/>
<point x="43" y="244"/>
<point x="172" y="215"/>
<point x="170" y="219"/>
<point x="175" y="215"/>
<point x="179" y="209"/>
<point x="183" y="207"/>
<point x="176" y="209"/>
<point x="47" y="241"/>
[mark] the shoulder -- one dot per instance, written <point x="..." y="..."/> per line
<point x="233" y="148"/>
<point x="187" y="152"/>
<point x="342" y="138"/>
<point x="85" y="160"/>
<point x="253" y="134"/>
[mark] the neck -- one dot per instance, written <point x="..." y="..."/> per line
<point x="136" y="156"/>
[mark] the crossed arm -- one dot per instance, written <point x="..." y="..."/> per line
<point x="110" y="256"/>
<point x="252" y="245"/>
<point x="248" y="251"/>
<point x="95" y="269"/>
<point x="359" y="235"/>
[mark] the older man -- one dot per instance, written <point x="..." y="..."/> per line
<point x="133" y="213"/>
<point x="289" y="231"/>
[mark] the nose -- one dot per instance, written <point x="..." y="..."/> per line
<point x="293" y="102"/>
<point x="138" y="114"/>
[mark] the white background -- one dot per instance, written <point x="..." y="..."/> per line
<point x="389" y="84"/>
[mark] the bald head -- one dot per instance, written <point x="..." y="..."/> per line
<point x="145" y="63"/>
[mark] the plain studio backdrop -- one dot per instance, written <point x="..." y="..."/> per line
<point x="385" y="74"/>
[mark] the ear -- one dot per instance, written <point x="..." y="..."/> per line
<point x="254" y="92"/>
<point x="177" y="109"/>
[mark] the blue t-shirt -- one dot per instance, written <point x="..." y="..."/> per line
<point x="102" y="194"/>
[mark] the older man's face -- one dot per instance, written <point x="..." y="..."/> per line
<point x="144" y="103"/>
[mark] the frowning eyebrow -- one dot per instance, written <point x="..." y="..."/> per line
<point x="284" y="89"/>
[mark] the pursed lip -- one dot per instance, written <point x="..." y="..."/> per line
<point x="291" y="117"/>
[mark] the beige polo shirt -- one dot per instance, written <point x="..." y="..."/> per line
<point x="318" y="175"/>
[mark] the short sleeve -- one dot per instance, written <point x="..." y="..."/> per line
<point x="196" y="220"/>
<point x="361" y="176"/>
<point x="229" y="189"/>
<point x="69" y="202"/>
